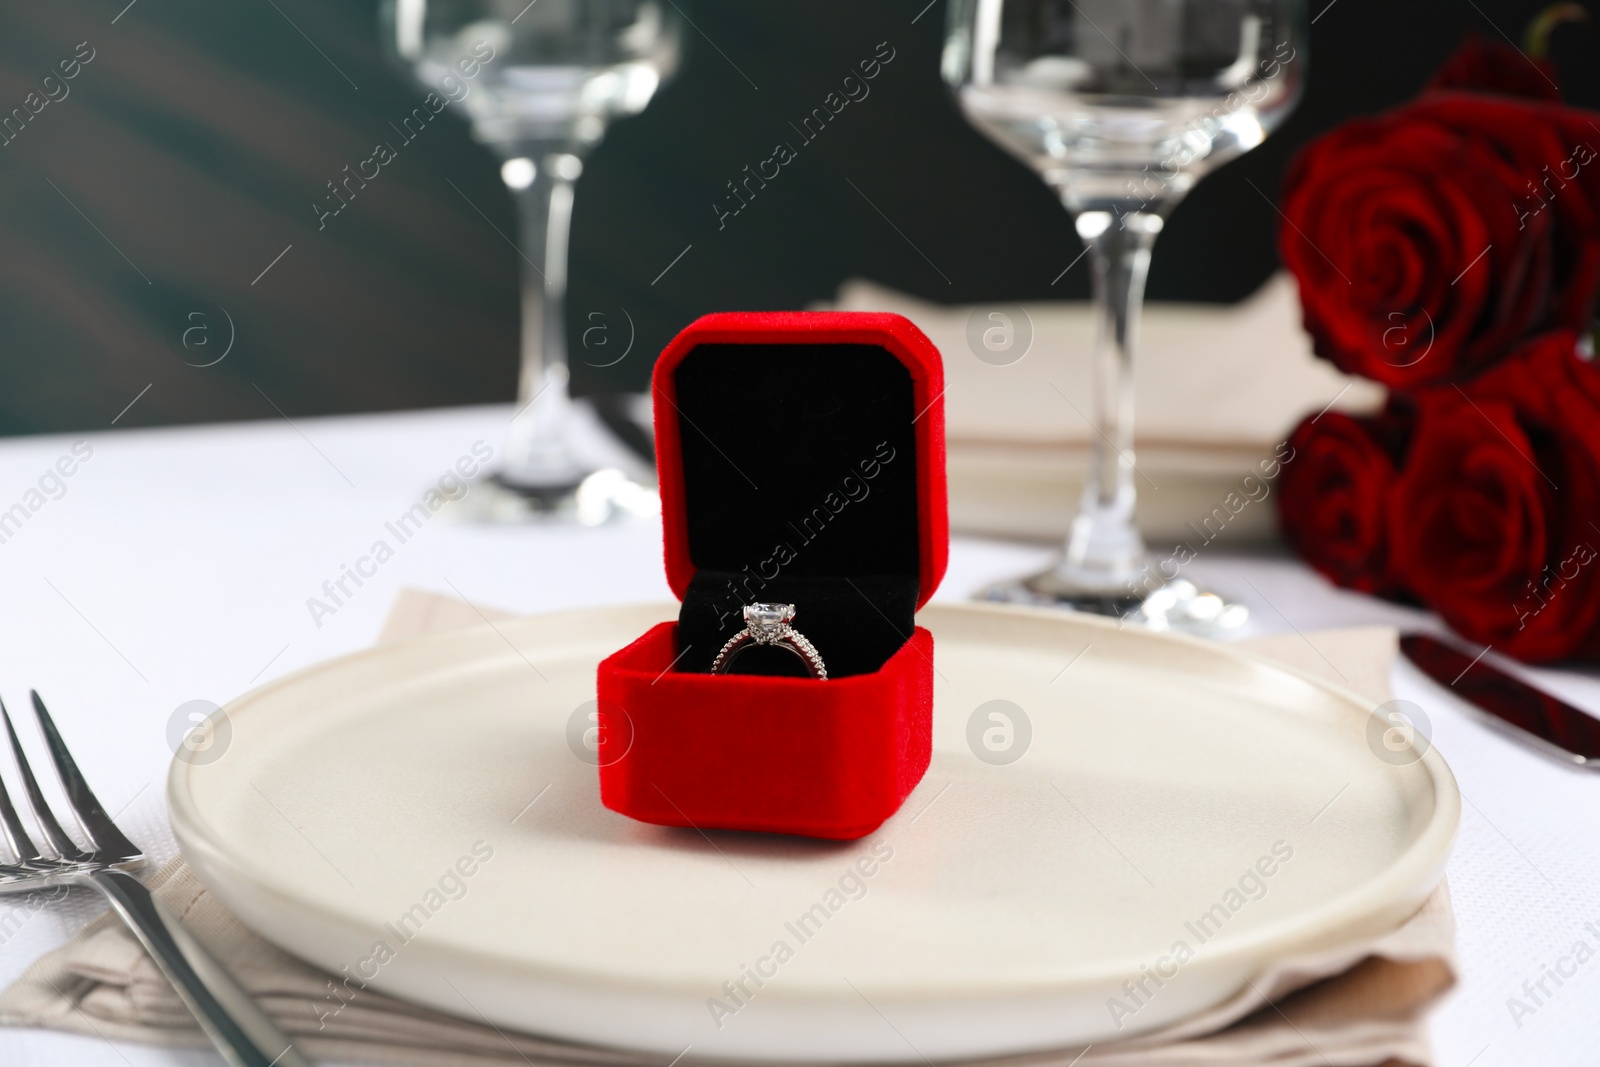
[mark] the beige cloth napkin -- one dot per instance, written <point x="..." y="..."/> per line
<point x="1362" y="1005"/>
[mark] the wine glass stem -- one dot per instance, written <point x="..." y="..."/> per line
<point x="1104" y="547"/>
<point x="538" y="451"/>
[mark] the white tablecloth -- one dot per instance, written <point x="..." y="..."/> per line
<point x="176" y="565"/>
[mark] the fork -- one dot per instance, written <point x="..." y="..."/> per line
<point x="236" y="1025"/>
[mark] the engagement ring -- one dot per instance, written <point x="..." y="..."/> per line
<point x="768" y="624"/>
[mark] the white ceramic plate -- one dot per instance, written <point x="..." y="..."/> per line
<point x="1006" y="906"/>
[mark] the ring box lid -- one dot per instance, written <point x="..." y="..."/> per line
<point x="766" y="418"/>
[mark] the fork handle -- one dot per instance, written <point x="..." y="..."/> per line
<point x="231" y="1018"/>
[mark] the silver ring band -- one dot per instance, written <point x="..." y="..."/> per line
<point x="768" y="624"/>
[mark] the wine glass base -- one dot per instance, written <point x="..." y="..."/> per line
<point x="590" y="498"/>
<point x="549" y="496"/>
<point x="1179" y="605"/>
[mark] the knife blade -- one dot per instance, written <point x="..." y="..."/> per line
<point x="1525" y="712"/>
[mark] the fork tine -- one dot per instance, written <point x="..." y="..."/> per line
<point x="65" y="847"/>
<point x="22" y="847"/>
<point x="91" y="816"/>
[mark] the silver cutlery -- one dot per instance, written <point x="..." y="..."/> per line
<point x="233" y="1021"/>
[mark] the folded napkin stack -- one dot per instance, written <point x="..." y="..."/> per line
<point x="1218" y="389"/>
<point x="1360" y="1005"/>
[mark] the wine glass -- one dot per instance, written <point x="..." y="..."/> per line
<point x="540" y="81"/>
<point x="1121" y="106"/>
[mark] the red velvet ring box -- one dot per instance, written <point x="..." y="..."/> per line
<point x="801" y="461"/>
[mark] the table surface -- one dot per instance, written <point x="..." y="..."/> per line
<point x="176" y="565"/>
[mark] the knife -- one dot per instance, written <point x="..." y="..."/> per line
<point x="1526" y="713"/>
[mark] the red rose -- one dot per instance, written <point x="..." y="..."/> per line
<point x="1486" y="66"/>
<point x="1495" y="520"/>
<point x="1565" y="189"/>
<point x="1428" y="242"/>
<point x="1333" y="497"/>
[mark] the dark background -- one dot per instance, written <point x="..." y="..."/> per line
<point x="192" y="147"/>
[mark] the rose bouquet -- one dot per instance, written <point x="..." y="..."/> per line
<point x="1450" y="249"/>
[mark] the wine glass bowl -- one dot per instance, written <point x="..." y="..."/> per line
<point x="1192" y="86"/>
<point x="1121" y="107"/>
<point x="562" y="69"/>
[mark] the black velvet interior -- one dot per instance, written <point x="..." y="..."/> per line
<point x="800" y="477"/>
